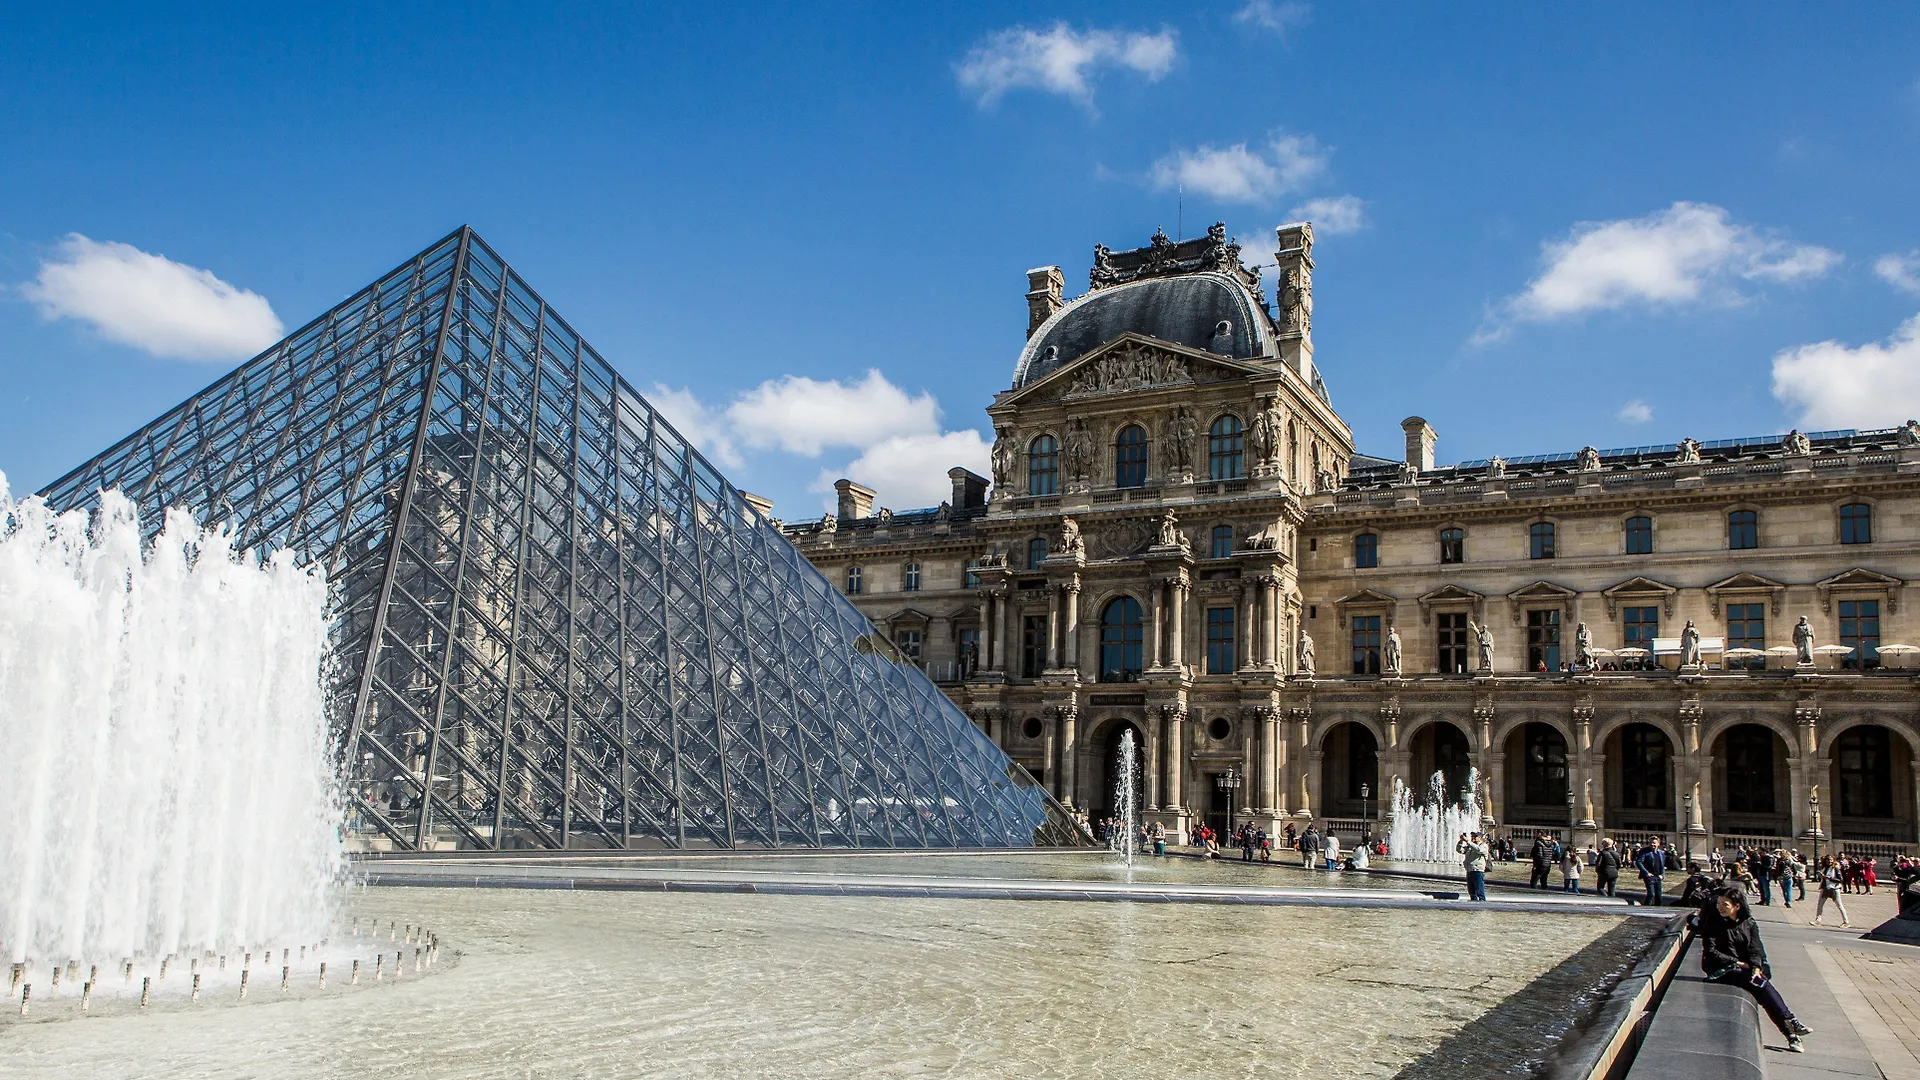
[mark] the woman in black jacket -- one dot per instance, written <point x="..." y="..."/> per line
<point x="1731" y="953"/>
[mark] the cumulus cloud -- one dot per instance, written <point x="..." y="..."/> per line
<point x="1335" y="215"/>
<point x="703" y="426"/>
<point x="152" y="303"/>
<point x="804" y="416"/>
<point x="1900" y="271"/>
<point x="909" y="472"/>
<point x="1061" y="60"/>
<point x="1278" y="19"/>
<point x="1240" y="173"/>
<point x="1835" y="385"/>
<point x="1636" y="412"/>
<point x="1688" y="253"/>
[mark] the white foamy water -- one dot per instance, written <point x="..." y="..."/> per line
<point x="1427" y="830"/>
<point x="164" y="754"/>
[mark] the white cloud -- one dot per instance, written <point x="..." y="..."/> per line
<point x="1335" y="215"/>
<point x="1900" y="271"/>
<point x="703" y="426"/>
<point x="804" y="416"/>
<point x="1061" y="60"/>
<point x="1279" y="19"/>
<point x="152" y="303"/>
<point x="1835" y="386"/>
<point x="1239" y="174"/>
<point x="909" y="472"/>
<point x="1687" y="253"/>
<point x="1636" y="412"/>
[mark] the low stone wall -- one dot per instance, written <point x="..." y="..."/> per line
<point x="1603" y="1049"/>
<point x="1701" y="1031"/>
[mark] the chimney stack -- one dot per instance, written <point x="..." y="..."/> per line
<point x="760" y="503"/>
<point x="856" y="500"/>
<point x="969" y="488"/>
<point x="1044" y="284"/>
<point x="1420" y="440"/>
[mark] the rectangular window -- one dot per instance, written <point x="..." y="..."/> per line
<point x="1743" y="530"/>
<point x="1856" y="524"/>
<point x="909" y="642"/>
<point x="1220" y="640"/>
<point x="1747" y="629"/>
<point x="1540" y="540"/>
<point x="1452" y="634"/>
<point x="1366" y="551"/>
<point x="972" y="578"/>
<point x="1222" y="542"/>
<point x="854" y="576"/>
<point x="970" y="658"/>
<point x="912" y="577"/>
<point x="1639" y="536"/>
<point x="1453" y="545"/>
<point x="1033" y="645"/>
<point x="1860" y="631"/>
<point x="1366" y="644"/>
<point x="1543" y="639"/>
<point x="1641" y="625"/>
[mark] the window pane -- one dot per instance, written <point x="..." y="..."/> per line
<point x="1222" y="541"/>
<point x="913" y="577"/>
<point x="1452" y="634"/>
<point x="1224" y="443"/>
<point x="1743" y="529"/>
<point x="1366" y="644"/>
<point x="1856" y="524"/>
<point x="1540" y="540"/>
<point x="1120" y="641"/>
<point x="1639" y="536"/>
<point x="1036" y="552"/>
<point x="1860" y="631"/>
<point x="1220" y="641"/>
<point x="1747" y="629"/>
<point x="1043" y="466"/>
<point x="1543" y="640"/>
<point x="1453" y="545"/>
<point x="1130" y="457"/>
<point x="1366" y="550"/>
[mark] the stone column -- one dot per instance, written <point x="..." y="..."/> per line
<point x="1176" y="755"/>
<point x="1070" y="599"/>
<point x="1152" y="728"/>
<point x="1497" y="789"/>
<point x="1811" y="771"/>
<point x="1248" y="793"/>
<point x="1276" y="641"/>
<point x="1269" y="761"/>
<point x="1304" y="758"/>
<point x="1155" y="655"/>
<point x="1049" y="747"/>
<point x="983" y="610"/>
<point x="1282" y="778"/>
<point x="1177" y="615"/>
<point x="1583" y="738"/>
<point x="1053" y="627"/>
<point x="1070" y="753"/>
<point x="1243" y="618"/>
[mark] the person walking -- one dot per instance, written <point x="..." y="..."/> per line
<point x="1606" y="867"/>
<point x="1309" y="847"/>
<point x="1652" y="864"/>
<point x="1732" y="954"/>
<point x="1783" y="876"/>
<point x="1333" y="851"/>
<point x="1761" y="866"/>
<point x="1830" y="878"/>
<point x="1570" y="871"/>
<point x="1473" y="855"/>
<point x="1265" y="844"/>
<point x="1542" y="855"/>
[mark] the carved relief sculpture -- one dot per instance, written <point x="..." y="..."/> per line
<point x="1132" y="367"/>
<point x="1005" y="455"/>
<point x="1803" y="643"/>
<point x="1181" y="433"/>
<point x="1263" y="439"/>
<point x="1170" y="535"/>
<point x="1070" y="542"/>
<point x="1296" y="302"/>
<point x="1076" y="452"/>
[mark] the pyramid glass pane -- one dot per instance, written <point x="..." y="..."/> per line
<point x="558" y="626"/>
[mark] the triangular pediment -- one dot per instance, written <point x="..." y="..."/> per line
<point x="909" y="615"/>
<point x="1640" y="586"/>
<point x="1366" y="596"/>
<point x="1860" y="578"/>
<point x="1744" y="581"/>
<point x="1542" y="590"/>
<point x="1129" y="363"/>
<point x="1452" y="594"/>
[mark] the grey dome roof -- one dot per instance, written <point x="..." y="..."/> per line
<point x="1185" y="310"/>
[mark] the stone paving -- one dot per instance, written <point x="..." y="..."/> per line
<point x="1862" y="998"/>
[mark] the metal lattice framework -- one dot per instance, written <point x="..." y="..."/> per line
<point x="557" y="625"/>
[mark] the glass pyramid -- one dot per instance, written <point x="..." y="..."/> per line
<point x="557" y="626"/>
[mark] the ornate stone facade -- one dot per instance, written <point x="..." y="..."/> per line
<point x="1220" y="529"/>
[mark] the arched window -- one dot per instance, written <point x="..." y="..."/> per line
<point x="1225" y="446"/>
<point x="1639" y="536"/>
<point x="1036" y="552"/>
<point x="1453" y="545"/>
<point x="1856" y="524"/>
<point x="1366" y="551"/>
<point x="1540" y="540"/>
<point x="1130" y="457"/>
<point x="1222" y="542"/>
<point x="1743" y="529"/>
<point x="911" y="577"/>
<point x="854" y="574"/>
<point x="1043" y="466"/>
<point x="1120" y="638"/>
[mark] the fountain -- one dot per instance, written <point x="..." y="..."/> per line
<point x="1126" y="810"/>
<point x="1426" y="830"/>
<point x="164" y="750"/>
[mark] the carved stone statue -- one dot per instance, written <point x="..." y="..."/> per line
<point x="1796" y="443"/>
<point x="1589" y="459"/>
<point x="1689" y="646"/>
<point x="1583" y="647"/>
<point x="1483" y="637"/>
<point x="828" y="522"/>
<point x="1305" y="663"/>
<point x="1909" y="434"/>
<point x="884" y="516"/>
<point x="1181" y="433"/>
<point x="1005" y="454"/>
<point x="1263" y="437"/>
<point x="944" y="513"/>
<point x="1390" y="653"/>
<point x="969" y="658"/>
<point x="1077" y="451"/>
<point x="1496" y="468"/>
<point x="1070" y="542"/>
<point x="1409" y="473"/>
<point x="1170" y="535"/>
<point x="1803" y="642"/>
<point x="1689" y="452"/>
<point x="1296" y="302"/>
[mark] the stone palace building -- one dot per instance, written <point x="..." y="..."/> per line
<point x="1180" y="541"/>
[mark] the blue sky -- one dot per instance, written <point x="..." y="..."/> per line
<point x="1539" y="227"/>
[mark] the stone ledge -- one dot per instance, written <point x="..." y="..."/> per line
<point x="1701" y="1031"/>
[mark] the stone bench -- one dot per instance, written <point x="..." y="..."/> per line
<point x="1701" y="1031"/>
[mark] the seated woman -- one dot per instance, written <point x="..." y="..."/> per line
<point x="1731" y="953"/>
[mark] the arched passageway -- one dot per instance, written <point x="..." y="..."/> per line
<point x="1537" y="775"/>
<point x="1349" y="764"/>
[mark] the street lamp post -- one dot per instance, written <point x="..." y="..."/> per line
<point x="1688" y="800"/>
<point x="1570" y="818"/>
<point x="1813" y="809"/>
<point x="1366" y="822"/>
<point x="1228" y="782"/>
